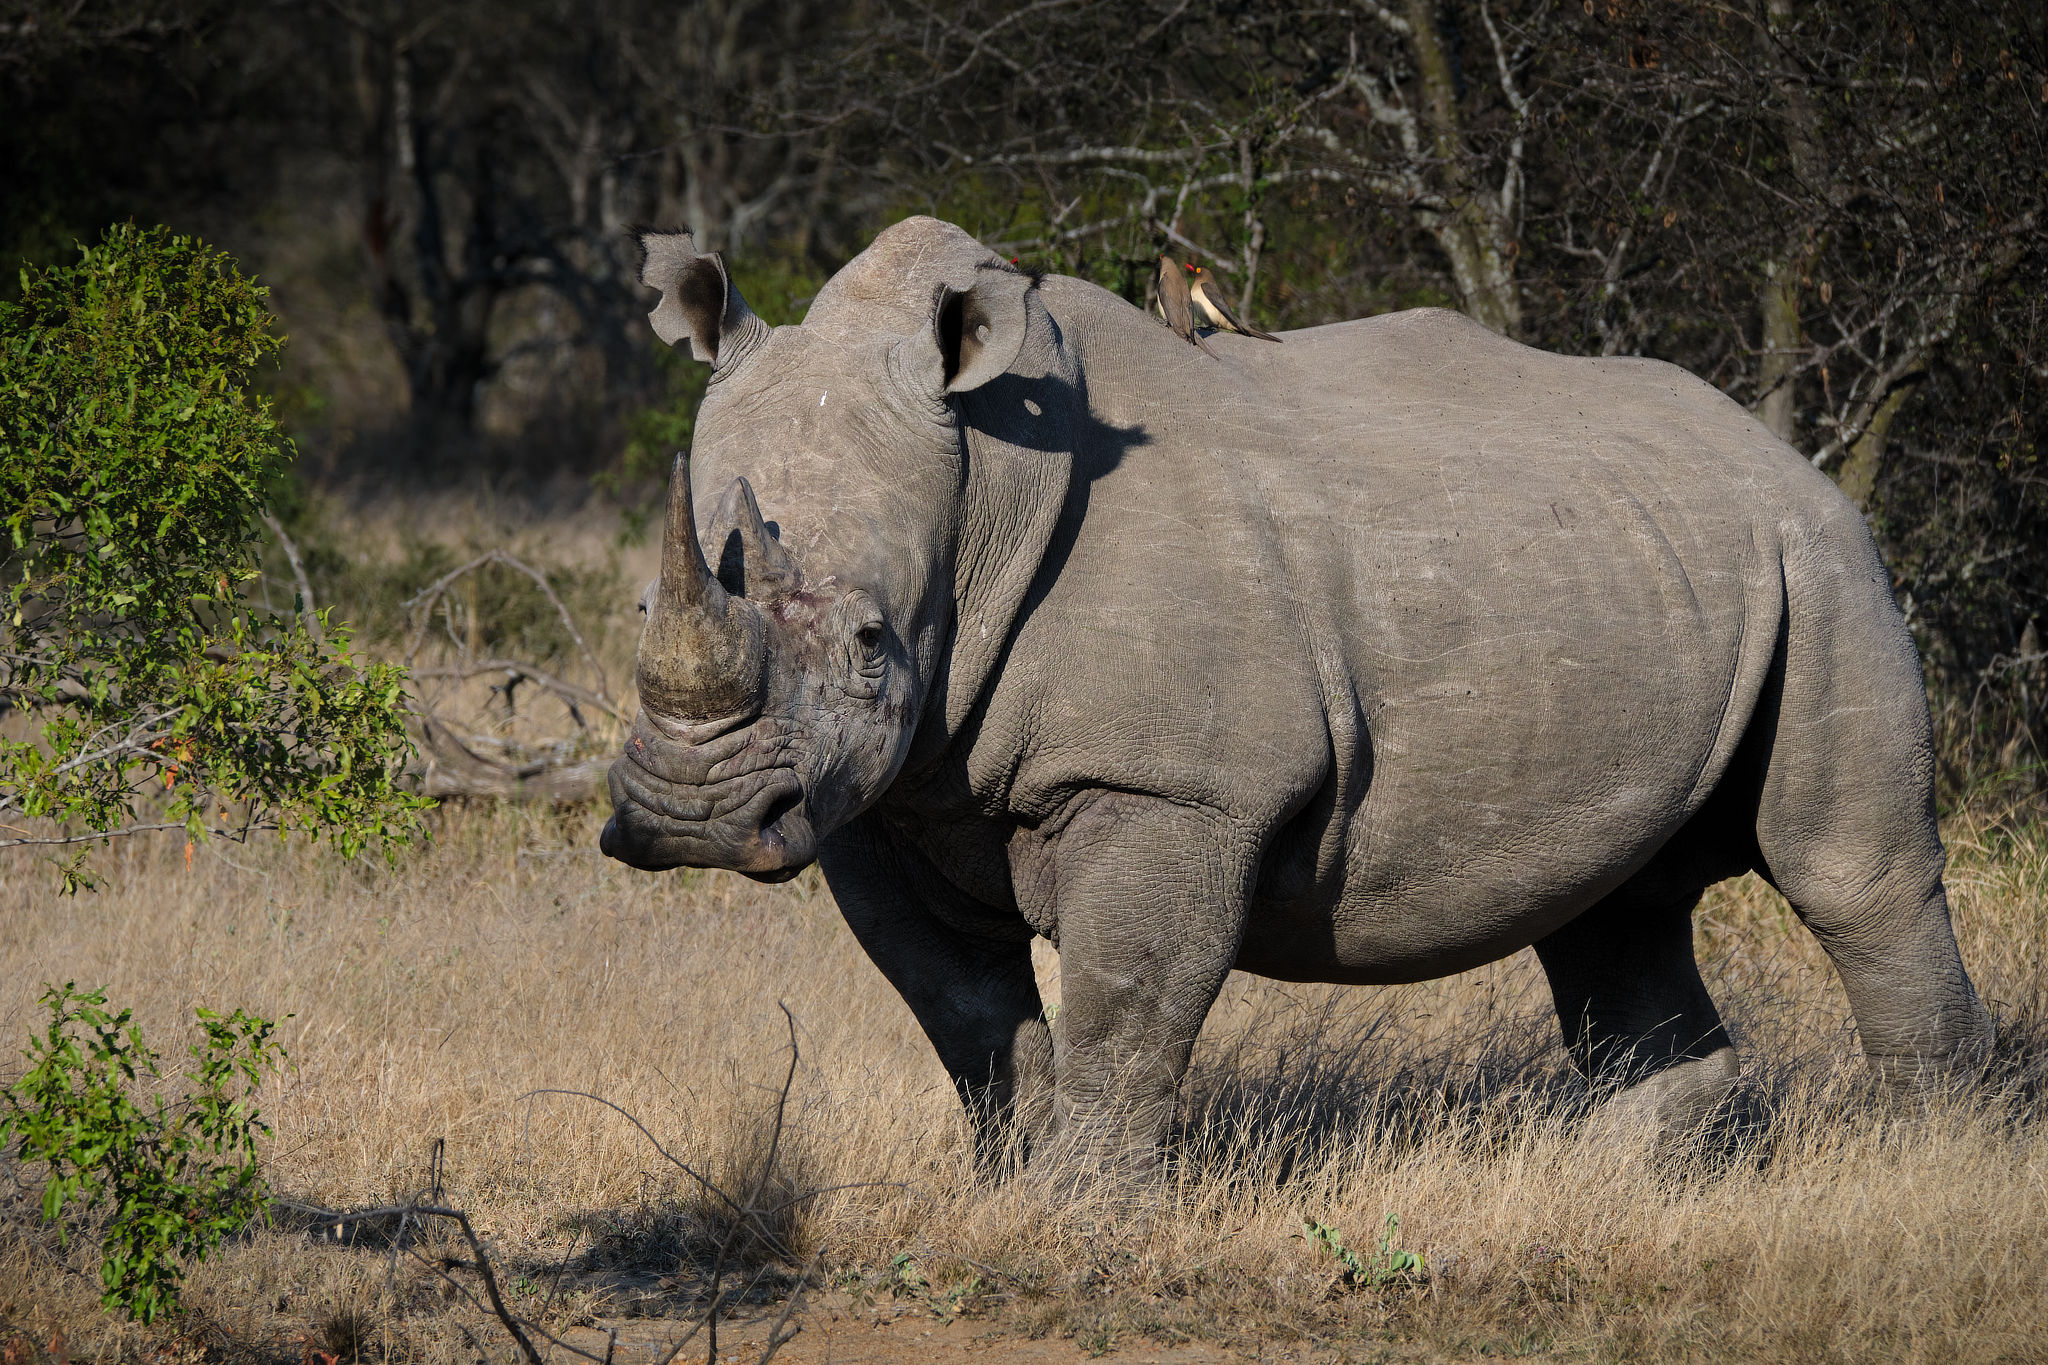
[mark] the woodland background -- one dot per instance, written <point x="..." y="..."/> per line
<point x="1832" y="210"/>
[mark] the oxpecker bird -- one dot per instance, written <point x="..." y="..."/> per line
<point x="1174" y="305"/>
<point x="1212" y="311"/>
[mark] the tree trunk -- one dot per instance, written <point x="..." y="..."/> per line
<point x="1779" y="304"/>
<point x="1858" y="474"/>
<point x="1474" y="237"/>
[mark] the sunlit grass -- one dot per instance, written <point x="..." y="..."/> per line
<point x="422" y="1002"/>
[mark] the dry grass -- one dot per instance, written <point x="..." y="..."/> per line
<point x="508" y="957"/>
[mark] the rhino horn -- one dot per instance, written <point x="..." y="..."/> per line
<point x="698" y="300"/>
<point x="705" y="651"/>
<point x="768" y="568"/>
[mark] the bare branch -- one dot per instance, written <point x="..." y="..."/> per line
<point x="1511" y="176"/>
<point x="427" y="596"/>
<point x="123" y="832"/>
<point x="307" y="609"/>
<point x="525" y="672"/>
<point x="1078" y="156"/>
<point x="1386" y="16"/>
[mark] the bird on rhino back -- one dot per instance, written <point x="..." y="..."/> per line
<point x="1367" y="658"/>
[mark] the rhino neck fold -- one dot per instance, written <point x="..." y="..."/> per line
<point x="1018" y="436"/>
<point x="1010" y="508"/>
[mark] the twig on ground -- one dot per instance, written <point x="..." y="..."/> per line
<point x="776" y="1337"/>
<point x="748" y="1214"/>
<point x="524" y="672"/>
<point x="516" y="1326"/>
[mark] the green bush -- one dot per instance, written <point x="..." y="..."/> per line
<point x="170" y="1180"/>
<point x="133" y="463"/>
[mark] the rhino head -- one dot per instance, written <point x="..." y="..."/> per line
<point x="783" y="674"/>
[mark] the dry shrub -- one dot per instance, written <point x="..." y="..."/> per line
<point x="1821" y="1222"/>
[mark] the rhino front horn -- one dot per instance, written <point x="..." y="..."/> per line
<point x="705" y="651"/>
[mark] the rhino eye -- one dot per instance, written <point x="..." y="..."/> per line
<point x="866" y="663"/>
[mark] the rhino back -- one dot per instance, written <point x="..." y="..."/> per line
<point x="1469" y="627"/>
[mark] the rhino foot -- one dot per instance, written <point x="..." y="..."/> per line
<point x="1670" y="1106"/>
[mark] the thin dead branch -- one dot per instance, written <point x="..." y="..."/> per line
<point x="749" y="1212"/>
<point x="308" y="611"/>
<point x="420" y="607"/>
<point x="557" y="768"/>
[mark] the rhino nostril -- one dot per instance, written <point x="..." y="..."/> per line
<point x="781" y="806"/>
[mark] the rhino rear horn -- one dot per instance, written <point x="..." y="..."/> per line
<point x="698" y="300"/>
<point x="768" y="568"/>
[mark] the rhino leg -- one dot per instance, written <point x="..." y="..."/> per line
<point x="1846" y="829"/>
<point x="1149" y="899"/>
<point x="966" y="974"/>
<point x="1637" y="1019"/>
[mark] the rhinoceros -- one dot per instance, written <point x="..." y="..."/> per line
<point x="1366" y="658"/>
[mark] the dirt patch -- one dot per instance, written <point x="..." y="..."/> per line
<point x="838" y="1334"/>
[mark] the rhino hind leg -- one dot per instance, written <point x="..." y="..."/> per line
<point x="1872" y="894"/>
<point x="1845" y="826"/>
<point x="1636" y="1017"/>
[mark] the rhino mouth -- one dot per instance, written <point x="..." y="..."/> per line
<point x="756" y="823"/>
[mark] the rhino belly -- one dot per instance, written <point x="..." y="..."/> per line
<point x="1520" y="754"/>
<point x="1446" y="870"/>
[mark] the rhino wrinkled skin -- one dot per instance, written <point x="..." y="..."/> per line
<point x="1367" y="658"/>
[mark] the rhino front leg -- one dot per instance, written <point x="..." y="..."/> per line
<point x="974" y="994"/>
<point x="1149" y="903"/>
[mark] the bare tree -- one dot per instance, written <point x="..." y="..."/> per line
<point x="506" y="152"/>
<point x="1187" y="127"/>
<point x="1833" y="210"/>
<point x="37" y="33"/>
<point x="1833" y="205"/>
<point x="1404" y="122"/>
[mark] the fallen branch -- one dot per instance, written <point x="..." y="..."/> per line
<point x="748" y="1213"/>
<point x="535" y="780"/>
<point x="481" y="1264"/>
<point x="547" y="769"/>
<point x="422" y="603"/>
<point x="519" y="672"/>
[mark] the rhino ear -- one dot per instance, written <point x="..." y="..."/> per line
<point x="974" y="333"/>
<point x="698" y="300"/>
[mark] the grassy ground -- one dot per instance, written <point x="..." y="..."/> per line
<point x="425" y="1001"/>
